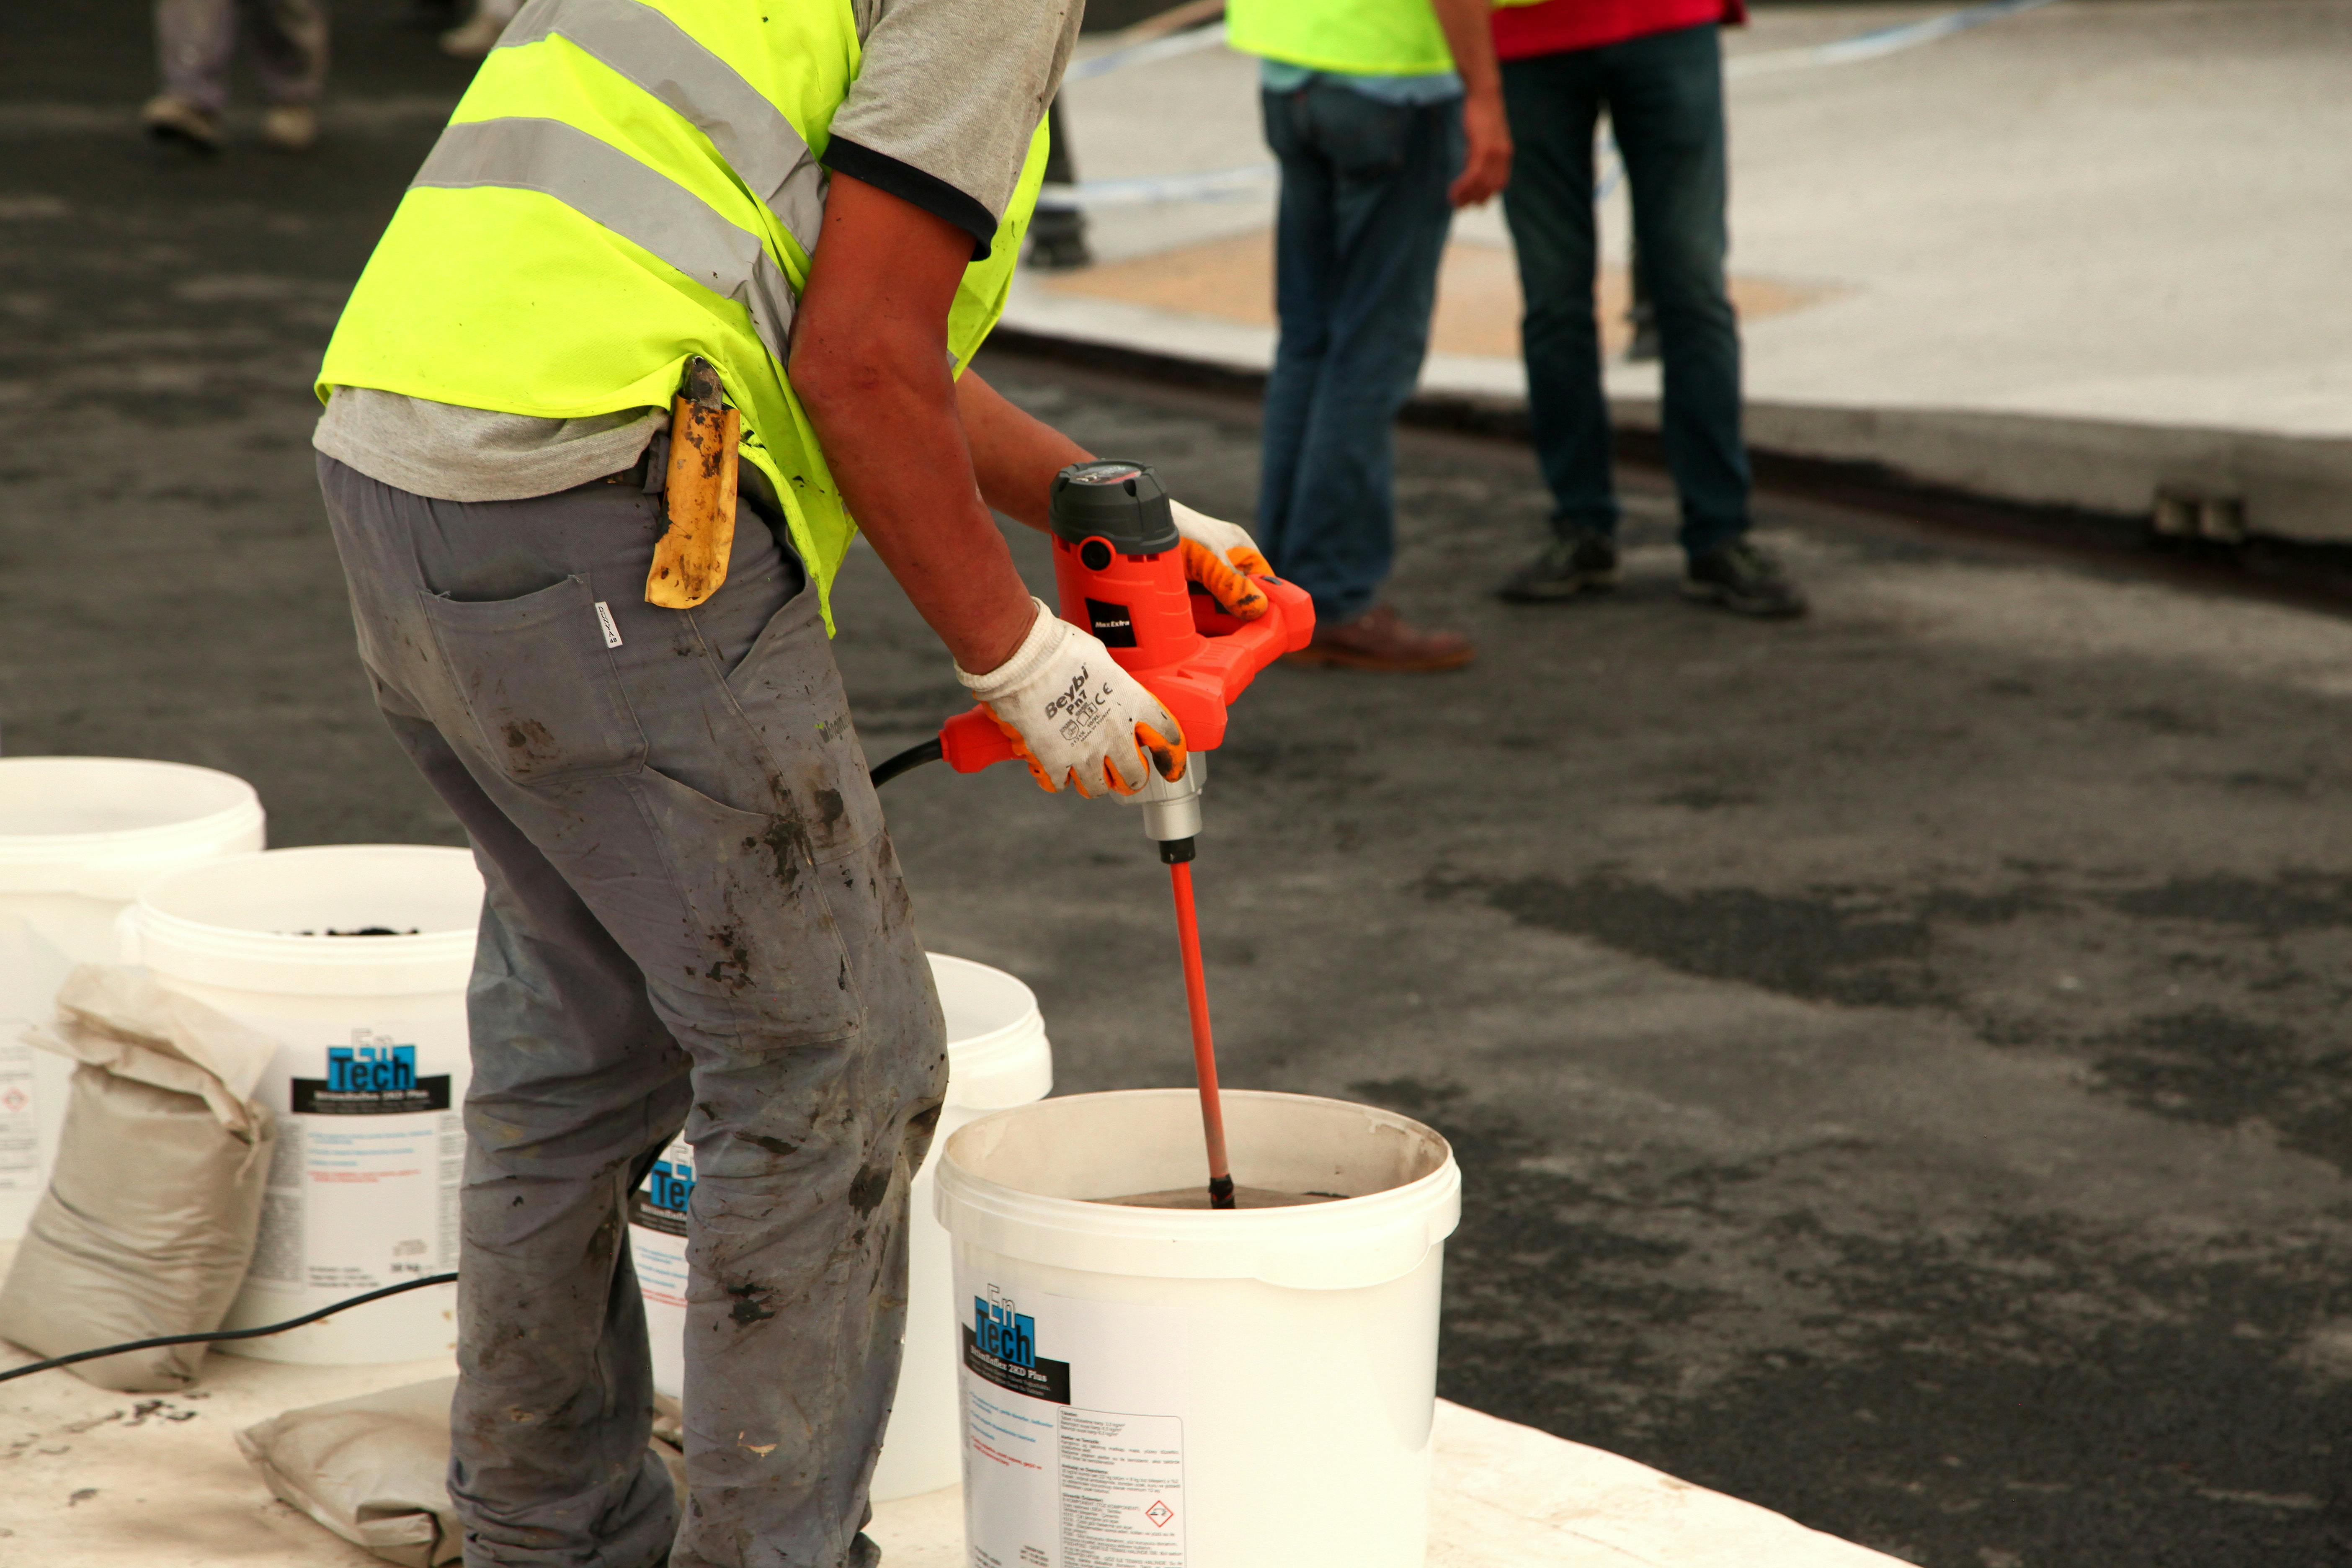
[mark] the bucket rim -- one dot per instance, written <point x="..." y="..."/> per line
<point x="1115" y="1222"/>
<point x="159" y="931"/>
<point x="237" y="812"/>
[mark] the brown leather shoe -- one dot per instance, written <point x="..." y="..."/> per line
<point x="1378" y="640"/>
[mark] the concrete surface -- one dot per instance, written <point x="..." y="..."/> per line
<point x="2062" y="258"/>
<point x="98" y="1480"/>
<point x="1898" y="1059"/>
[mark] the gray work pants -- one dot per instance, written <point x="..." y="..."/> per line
<point x="694" y="917"/>
<point x="285" y="42"/>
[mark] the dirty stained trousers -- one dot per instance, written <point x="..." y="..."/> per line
<point x="693" y="918"/>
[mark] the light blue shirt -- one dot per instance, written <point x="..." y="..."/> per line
<point x="1411" y="92"/>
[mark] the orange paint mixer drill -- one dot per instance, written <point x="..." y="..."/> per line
<point x="1119" y="572"/>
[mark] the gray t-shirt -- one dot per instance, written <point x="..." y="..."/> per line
<point x="955" y="151"/>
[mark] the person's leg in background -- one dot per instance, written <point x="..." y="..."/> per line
<point x="694" y="783"/>
<point x="1666" y="105"/>
<point x="1305" y="265"/>
<point x="1360" y="287"/>
<point x="288" y="42"/>
<point x="194" y="42"/>
<point x="1057" y="236"/>
<point x="1554" y="103"/>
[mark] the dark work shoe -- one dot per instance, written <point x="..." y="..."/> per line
<point x="1743" y="579"/>
<point x="1584" y="564"/>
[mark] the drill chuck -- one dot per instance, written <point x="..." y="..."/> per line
<point x="1172" y="810"/>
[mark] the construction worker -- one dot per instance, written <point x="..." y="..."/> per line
<point x="694" y="917"/>
<point x="1657" y="67"/>
<point x="1386" y="115"/>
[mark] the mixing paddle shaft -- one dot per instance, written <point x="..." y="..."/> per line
<point x="1119" y="566"/>
<point x="1204" y="1049"/>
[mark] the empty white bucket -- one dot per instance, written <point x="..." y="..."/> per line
<point x="1248" y="1389"/>
<point x="77" y="838"/>
<point x="368" y="1080"/>
<point x="998" y="1056"/>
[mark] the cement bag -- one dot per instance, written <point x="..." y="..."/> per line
<point x="149" y="1217"/>
<point x="375" y="1469"/>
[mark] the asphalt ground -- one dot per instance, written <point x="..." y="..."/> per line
<point x="1897" y="1058"/>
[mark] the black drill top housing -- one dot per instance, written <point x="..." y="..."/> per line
<point x="1116" y="500"/>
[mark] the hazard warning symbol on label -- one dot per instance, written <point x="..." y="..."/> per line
<point x="1160" y="1513"/>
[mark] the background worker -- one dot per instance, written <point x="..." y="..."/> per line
<point x="197" y="43"/>
<point x="1385" y="114"/>
<point x="1656" y="66"/>
<point x="693" y="915"/>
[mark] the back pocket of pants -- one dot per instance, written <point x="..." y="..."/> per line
<point x="536" y="680"/>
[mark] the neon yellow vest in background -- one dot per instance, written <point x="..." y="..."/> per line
<point x="1365" y="37"/>
<point x="628" y="182"/>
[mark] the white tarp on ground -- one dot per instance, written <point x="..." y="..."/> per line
<point x="110" y="1480"/>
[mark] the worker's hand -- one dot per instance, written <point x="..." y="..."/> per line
<point x="1222" y="557"/>
<point x="1075" y="716"/>
<point x="1487" y="158"/>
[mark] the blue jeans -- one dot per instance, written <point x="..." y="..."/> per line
<point x="1362" y="228"/>
<point x="1664" y="96"/>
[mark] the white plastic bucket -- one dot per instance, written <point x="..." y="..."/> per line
<point x="1249" y="1389"/>
<point x="368" y="1080"/>
<point x="77" y="838"/>
<point x="998" y="1056"/>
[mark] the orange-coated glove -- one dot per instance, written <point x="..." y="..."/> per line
<point x="1222" y="557"/>
<point x="1075" y="716"/>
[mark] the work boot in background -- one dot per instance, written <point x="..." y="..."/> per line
<point x="1743" y="579"/>
<point x="1586" y="562"/>
<point x="1378" y="640"/>
<point x="175" y="120"/>
<point x="290" y="127"/>
<point x="1058" y="235"/>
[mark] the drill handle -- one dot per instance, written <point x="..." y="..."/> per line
<point x="972" y="740"/>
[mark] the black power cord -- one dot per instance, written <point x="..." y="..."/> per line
<point x="218" y="1334"/>
<point x="912" y="757"/>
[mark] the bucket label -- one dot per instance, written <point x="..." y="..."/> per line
<point x="362" y="1186"/>
<point x="999" y="1345"/>
<point x="660" y="1205"/>
<point x="1074" y="1431"/>
<point x="657" y="1211"/>
<point x="370" y="1078"/>
<point x="20" y="1126"/>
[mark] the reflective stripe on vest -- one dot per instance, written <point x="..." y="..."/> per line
<point x="640" y="204"/>
<point x="643" y="46"/>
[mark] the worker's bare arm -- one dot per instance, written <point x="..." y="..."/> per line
<point x="1485" y="128"/>
<point x="869" y="361"/>
<point x="1015" y="453"/>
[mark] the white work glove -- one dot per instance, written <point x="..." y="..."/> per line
<point x="1222" y="557"/>
<point x="1075" y="716"/>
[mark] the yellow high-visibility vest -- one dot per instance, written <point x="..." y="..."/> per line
<point x="1363" y="38"/>
<point x="628" y="184"/>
